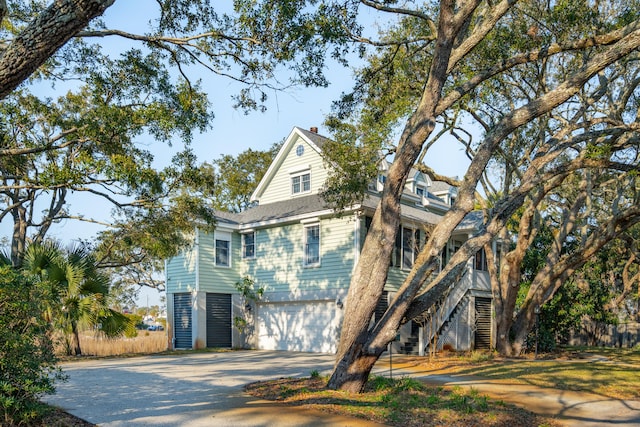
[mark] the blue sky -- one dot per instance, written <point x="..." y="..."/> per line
<point x="233" y="131"/>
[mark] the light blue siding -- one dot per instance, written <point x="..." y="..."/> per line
<point x="215" y="278"/>
<point x="181" y="272"/>
<point x="279" y="263"/>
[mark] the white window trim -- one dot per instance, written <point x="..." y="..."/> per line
<point x="414" y="251"/>
<point x="304" y="246"/>
<point x="298" y="169"/>
<point x="224" y="236"/>
<point x="424" y="197"/>
<point x="300" y="175"/>
<point x="255" y="247"/>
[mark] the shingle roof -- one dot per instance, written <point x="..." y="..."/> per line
<point x="471" y="221"/>
<point x="437" y="186"/>
<point x="407" y="211"/>
<point x="284" y="209"/>
<point x="315" y="203"/>
<point x="230" y="217"/>
<point x="317" y="139"/>
<point x="298" y="206"/>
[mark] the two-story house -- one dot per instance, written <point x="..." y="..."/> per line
<point x="302" y="254"/>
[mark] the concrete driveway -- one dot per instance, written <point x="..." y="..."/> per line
<point x="203" y="389"/>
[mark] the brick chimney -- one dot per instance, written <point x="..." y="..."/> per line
<point x="314" y="129"/>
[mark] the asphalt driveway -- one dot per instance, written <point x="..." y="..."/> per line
<point x="194" y="389"/>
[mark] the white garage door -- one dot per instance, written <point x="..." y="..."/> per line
<point x="310" y="326"/>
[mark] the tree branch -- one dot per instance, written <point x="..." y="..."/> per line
<point x="43" y="37"/>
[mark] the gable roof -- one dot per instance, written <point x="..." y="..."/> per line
<point x="440" y="186"/>
<point x="312" y="138"/>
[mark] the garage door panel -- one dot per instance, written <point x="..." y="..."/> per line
<point x="311" y="327"/>
<point x="182" y="320"/>
<point x="218" y="320"/>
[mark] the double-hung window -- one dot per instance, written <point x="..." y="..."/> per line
<point x="410" y="240"/>
<point x="249" y="245"/>
<point x="481" y="261"/>
<point x="406" y="248"/>
<point x="312" y="245"/>
<point x="301" y="183"/>
<point x="223" y="249"/>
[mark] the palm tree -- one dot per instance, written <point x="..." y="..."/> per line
<point x="79" y="291"/>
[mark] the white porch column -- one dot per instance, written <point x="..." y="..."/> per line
<point x="199" y="320"/>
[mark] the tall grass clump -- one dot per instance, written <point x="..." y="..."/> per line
<point x="144" y="343"/>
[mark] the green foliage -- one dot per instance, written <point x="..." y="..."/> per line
<point x="134" y="324"/>
<point x="246" y="288"/>
<point x="583" y="300"/>
<point x="468" y="401"/>
<point x="315" y="374"/>
<point x="79" y="292"/>
<point x="87" y="142"/>
<point x="237" y="177"/>
<point x="379" y="382"/>
<point x="353" y="165"/>
<point x="250" y="295"/>
<point x="240" y="323"/>
<point x="27" y="360"/>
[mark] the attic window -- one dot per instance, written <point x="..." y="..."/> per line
<point x="301" y="183"/>
<point x="300" y="150"/>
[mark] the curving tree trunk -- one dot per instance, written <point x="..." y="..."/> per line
<point x="75" y="340"/>
<point x="34" y="45"/>
<point x="360" y="345"/>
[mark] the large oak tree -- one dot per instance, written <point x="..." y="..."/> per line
<point x="92" y="139"/>
<point x="429" y="73"/>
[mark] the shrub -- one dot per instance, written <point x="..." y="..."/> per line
<point x="379" y="383"/>
<point x="27" y="360"/>
<point x="135" y="324"/>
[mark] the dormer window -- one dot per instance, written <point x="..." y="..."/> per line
<point x="301" y="183"/>
<point x="421" y="191"/>
<point x="378" y="184"/>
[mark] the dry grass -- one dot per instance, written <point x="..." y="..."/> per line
<point x="613" y="373"/>
<point x="404" y="402"/>
<point x="145" y="343"/>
